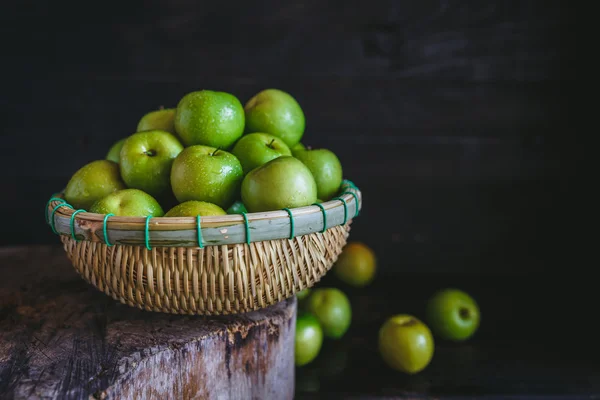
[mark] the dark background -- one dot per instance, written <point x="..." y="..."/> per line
<point x="451" y="116"/>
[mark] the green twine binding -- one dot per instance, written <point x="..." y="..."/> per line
<point x="355" y="200"/>
<point x="48" y="206"/>
<point x="73" y="224"/>
<point x="350" y="184"/>
<point x="247" y="228"/>
<point x="345" y="209"/>
<point x="291" y="222"/>
<point x="324" y="215"/>
<point x="147" y="233"/>
<point x="199" y="231"/>
<point x="52" y="223"/>
<point x="104" y="229"/>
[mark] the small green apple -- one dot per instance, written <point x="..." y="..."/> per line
<point x="303" y="294"/>
<point x="308" y="339"/>
<point x="205" y="173"/>
<point x="146" y="159"/>
<point x="115" y="151"/>
<point x="405" y="343"/>
<point x="92" y="182"/>
<point x="255" y="149"/>
<point x="128" y="203"/>
<point x="326" y="169"/>
<point x="209" y="118"/>
<point x="192" y="208"/>
<point x="237" y="208"/>
<point x="283" y="182"/>
<point x="276" y="112"/>
<point x="332" y="308"/>
<point x="453" y="314"/>
<point x="158" y="120"/>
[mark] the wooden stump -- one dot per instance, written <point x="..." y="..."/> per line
<point x="61" y="338"/>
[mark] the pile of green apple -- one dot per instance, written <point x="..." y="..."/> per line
<point x="210" y="156"/>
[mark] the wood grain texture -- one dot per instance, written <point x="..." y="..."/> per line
<point x="61" y="339"/>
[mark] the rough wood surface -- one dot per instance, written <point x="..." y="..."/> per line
<point x="60" y="338"/>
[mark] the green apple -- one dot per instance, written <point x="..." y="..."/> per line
<point x="283" y="182"/>
<point x="209" y="118"/>
<point x="303" y="294"/>
<point x="405" y="343"/>
<point x="192" y="208"/>
<point x="205" y="173"/>
<point x="158" y="120"/>
<point x="332" y="308"/>
<point x="237" y="208"/>
<point x="326" y="169"/>
<point x="297" y="147"/>
<point x="453" y="314"/>
<point x="256" y="149"/>
<point x="92" y="182"/>
<point x="308" y="339"/>
<point x="146" y="159"/>
<point x="128" y="203"/>
<point x="115" y="151"/>
<point x="276" y="112"/>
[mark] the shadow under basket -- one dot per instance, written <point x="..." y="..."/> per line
<point x="206" y="265"/>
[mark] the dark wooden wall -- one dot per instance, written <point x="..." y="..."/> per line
<point x="448" y="114"/>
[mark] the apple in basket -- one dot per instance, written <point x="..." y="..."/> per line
<point x="145" y="161"/>
<point x="256" y="149"/>
<point x="128" y="203"/>
<point x="284" y="182"/>
<point x="326" y="169"/>
<point x="204" y="173"/>
<point x="210" y="156"/>
<point x="275" y="112"/>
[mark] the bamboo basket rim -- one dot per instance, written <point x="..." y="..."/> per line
<point x="90" y="226"/>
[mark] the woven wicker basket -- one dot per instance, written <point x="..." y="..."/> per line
<point x="213" y="265"/>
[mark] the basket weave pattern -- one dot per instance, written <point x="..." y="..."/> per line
<point x="222" y="279"/>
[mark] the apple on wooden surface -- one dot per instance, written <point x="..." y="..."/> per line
<point x="284" y="182"/>
<point x="256" y="149"/>
<point x="128" y="203"/>
<point x="406" y="343"/>
<point x="208" y="174"/>
<point x="332" y="308"/>
<point x="453" y="314"/>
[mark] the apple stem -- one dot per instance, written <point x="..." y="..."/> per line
<point x="215" y="152"/>
<point x="271" y="144"/>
